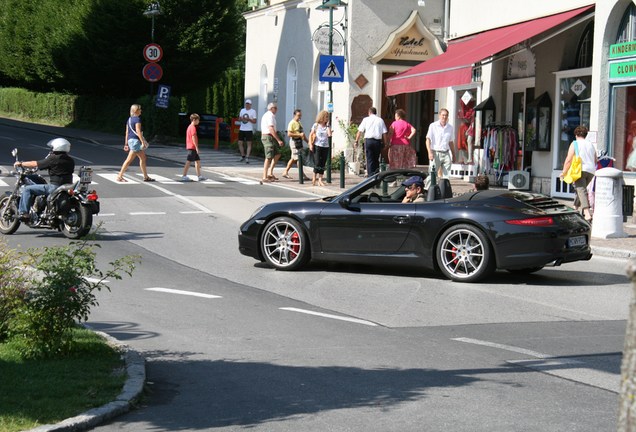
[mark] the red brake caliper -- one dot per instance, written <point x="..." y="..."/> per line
<point x="295" y="247"/>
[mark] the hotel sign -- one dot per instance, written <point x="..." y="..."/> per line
<point x="412" y="46"/>
<point x="625" y="49"/>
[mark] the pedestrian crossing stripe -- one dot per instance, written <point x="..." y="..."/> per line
<point x="113" y="178"/>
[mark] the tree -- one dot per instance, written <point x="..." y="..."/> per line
<point x="96" y="46"/>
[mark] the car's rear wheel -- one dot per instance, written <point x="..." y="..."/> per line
<point x="464" y="254"/>
<point x="284" y="244"/>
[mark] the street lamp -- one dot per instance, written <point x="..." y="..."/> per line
<point x="330" y="5"/>
<point x="153" y="10"/>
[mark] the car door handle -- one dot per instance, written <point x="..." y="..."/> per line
<point x="401" y="219"/>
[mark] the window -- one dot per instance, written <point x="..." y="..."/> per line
<point x="584" y="52"/>
<point x="291" y="102"/>
<point x="627" y="29"/>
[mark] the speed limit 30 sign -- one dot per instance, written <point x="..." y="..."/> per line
<point x="153" y="52"/>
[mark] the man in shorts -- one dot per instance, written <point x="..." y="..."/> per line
<point x="247" y="117"/>
<point x="271" y="142"/>
<point x="192" y="145"/>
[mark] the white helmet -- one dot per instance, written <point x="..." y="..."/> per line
<point x="59" y="145"/>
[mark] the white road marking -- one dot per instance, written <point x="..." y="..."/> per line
<point x="188" y="293"/>
<point x="95" y="280"/>
<point x="3" y="183"/>
<point x="195" y="179"/>
<point x="193" y="212"/>
<point x="504" y="347"/>
<point x="161" y="179"/>
<point x="146" y="213"/>
<point x="113" y="177"/>
<point x="573" y="369"/>
<point x="239" y="180"/>
<point x="105" y="214"/>
<point x="324" y="315"/>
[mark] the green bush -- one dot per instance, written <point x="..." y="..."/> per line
<point x="13" y="286"/>
<point x="59" y="295"/>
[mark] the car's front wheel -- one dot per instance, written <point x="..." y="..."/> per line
<point x="464" y="254"/>
<point x="284" y="244"/>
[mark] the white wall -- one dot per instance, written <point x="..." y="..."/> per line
<point x="470" y="16"/>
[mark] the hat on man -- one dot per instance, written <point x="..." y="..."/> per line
<point x="248" y="101"/>
<point x="415" y="180"/>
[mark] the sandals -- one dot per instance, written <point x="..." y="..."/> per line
<point x="265" y="180"/>
<point x="148" y="179"/>
<point x="287" y="176"/>
<point x="272" y="178"/>
<point x="121" y="179"/>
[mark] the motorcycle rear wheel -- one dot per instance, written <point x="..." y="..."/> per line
<point x="9" y="221"/>
<point x="77" y="222"/>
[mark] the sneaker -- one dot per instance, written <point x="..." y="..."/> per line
<point x="185" y="179"/>
<point x="247" y="161"/>
<point x="201" y="178"/>
<point x="242" y="159"/>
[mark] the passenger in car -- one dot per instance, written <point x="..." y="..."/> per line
<point x="481" y="182"/>
<point x="414" y="188"/>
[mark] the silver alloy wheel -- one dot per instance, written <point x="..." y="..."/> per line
<point x="283" y="244"/>
<point x="463" y="254"/>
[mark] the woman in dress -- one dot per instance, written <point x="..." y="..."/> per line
<point x="401" y="154"/>
<point x="135" y="144"/>
<point x="587" y="152"/>
<point x="319" y="145"/>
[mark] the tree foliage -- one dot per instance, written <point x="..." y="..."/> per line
<point x="96" y="46"/>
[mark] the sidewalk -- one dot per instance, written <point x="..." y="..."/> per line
<point x="227" y="161"/>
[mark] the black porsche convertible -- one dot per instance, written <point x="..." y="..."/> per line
<point x="465" y="237"/>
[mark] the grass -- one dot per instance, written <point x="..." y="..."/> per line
<point x="46" y="391"/>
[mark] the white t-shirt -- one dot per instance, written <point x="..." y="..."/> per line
<point x="244" y="115"/>
<point x="268" y="119"/>
<point x="440" y="136"/>
<point x="587" y="152"/>
<point x="373" y="127"/>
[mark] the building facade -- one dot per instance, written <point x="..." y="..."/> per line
<point x="516" y="82"/>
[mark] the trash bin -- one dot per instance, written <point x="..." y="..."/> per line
<point x="608" y="206"/>
<point x="628" y="201"/>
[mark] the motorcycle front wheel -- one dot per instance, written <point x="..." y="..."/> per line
<point x="9" y="221"/>
<point x="77" y="222"/>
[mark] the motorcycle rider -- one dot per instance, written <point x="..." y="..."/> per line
<point x="60" y="166"/>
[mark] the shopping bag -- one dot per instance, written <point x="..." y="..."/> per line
<point x="576" y="167"/>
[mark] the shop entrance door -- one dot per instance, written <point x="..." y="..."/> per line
<point x="518" y="94"/>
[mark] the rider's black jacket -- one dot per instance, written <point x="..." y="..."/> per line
<point x="60" y="166"/>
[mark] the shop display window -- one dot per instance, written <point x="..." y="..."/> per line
<point x="465" y="126"/>
<point x="624" y="131"/>
<point x="538" y="121"/>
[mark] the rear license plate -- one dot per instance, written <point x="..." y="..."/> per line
<point x="577" y="241"/>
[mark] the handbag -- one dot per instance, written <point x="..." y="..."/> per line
<point x="576" y="167"/>
<point x="298" y="143"/>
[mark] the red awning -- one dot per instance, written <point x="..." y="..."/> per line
<point x="454" y="67"/>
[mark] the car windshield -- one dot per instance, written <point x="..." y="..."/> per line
<point x="384" y="189"/>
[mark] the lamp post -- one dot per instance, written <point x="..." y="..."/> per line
<point x="152" y="11"/>
<point x="330" y="5"/>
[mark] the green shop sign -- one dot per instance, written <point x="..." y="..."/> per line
<point x="625" y="49"/>
<point x="622" y="70"/>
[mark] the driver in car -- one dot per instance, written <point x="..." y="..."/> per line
<point x="414" y="187"/>
<point x="60" y="166"/>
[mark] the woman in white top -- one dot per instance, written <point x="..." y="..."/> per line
<point x="587" y="152"/>
<point x="319" y="145"/>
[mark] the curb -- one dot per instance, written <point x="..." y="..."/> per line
<point x="133" y="387"/>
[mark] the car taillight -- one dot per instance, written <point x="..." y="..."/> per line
<point x="537" y="221"/>
<point x="92" y="196"/>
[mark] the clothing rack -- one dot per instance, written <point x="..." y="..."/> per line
<point x="500" y="142"/>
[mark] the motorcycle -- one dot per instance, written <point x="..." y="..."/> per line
<point x="69" y="208"/>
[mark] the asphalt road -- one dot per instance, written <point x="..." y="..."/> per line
<point x="231" y="344"/>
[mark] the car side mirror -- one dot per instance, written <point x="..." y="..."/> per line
<point x="345" y="201"/>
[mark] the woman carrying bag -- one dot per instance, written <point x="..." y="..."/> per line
<point x="583" y="149"/>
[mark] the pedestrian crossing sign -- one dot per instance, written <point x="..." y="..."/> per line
<point x="331" y="68"/>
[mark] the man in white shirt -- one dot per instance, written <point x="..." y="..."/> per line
<point x="374" y="131"/>
<point x="439" y="140"/>
<point x="247" y="117"/>
<point x="271" y="142"/>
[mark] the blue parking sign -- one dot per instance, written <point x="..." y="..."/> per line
<point x="163" y="96"/>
